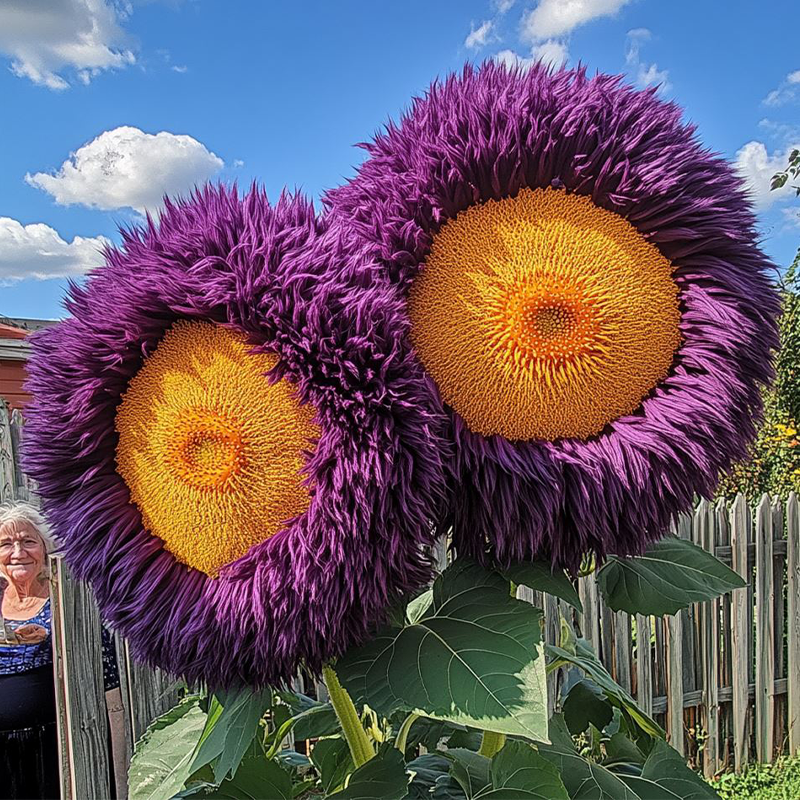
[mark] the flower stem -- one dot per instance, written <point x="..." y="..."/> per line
<point x="357" y="740"/>
<point x="492" y="743"/>
<point x="402" y="734"/>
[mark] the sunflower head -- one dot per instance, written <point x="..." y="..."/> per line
<point x="233" y="446"/>
<point x="582" y="285"/>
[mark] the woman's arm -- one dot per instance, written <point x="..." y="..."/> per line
<point x="116" y="723"/>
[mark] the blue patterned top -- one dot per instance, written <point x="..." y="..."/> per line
<point x="18" y="658"/>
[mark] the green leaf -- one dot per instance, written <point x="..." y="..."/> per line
<point x="291" y="759"/>
<point x="162" y="757"/>
<point x="256" y="778"/>
<point x="333" y="761"/>
<point x="383" y="776"/>
<point x="622" y="750"/>
<point x="472" y="771"/>
<point x="584" y="658"/>
<point x="539" y="575"/>
<point x="315" y="723"/>
<point x="430" y="778"/>
<point x="233" y="718"/>
<point x="672" y="574"/>
<point x="519" y="772"/>
<point x="584" y="780"/>
<point x="666" y="776"/>
<point x="586" y="703"/>
<point x="472" y="659"/>
<point x="417" y="608"/>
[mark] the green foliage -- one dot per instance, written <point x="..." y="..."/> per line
<point x="540" y="576"/>
<point x="773" y="464"/>
<point x="467" y="658"/>
<point x="668" y="576"/>
<point x="161" y="762"/>
<point x="778" y="781"/>
<point x="231" y="725"/>
<point x="471" y="659"/>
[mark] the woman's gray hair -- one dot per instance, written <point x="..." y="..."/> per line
<point x="25" y="512"/>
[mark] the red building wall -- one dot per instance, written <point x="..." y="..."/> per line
<point x="12" y="376"/>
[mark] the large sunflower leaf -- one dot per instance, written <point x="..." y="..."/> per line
<point x="586" y="659"/>
<point x="540" y="576"/>
<point x="584" y="780"/>
<point x="666" y="776"/>
<point x="162" y="758"/>
<point x="256" y="777"/>
<point x="520" y="773"/>
<point x="231" y="725"/>
<point x="672" y="574"/>
<point x="472" y="658"/>
<point x="383" y="776"/>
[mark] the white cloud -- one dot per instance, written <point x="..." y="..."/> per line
<point x="503" y="6"/>
<point x="478" y="37"/>
<point x="757" y="166"/>
<point x="787" y="92"/>
<point x="127" y="168"/>
<point x="180" y="69"/>
<point x="37" y="251"/>
<point x="644" y="74"/>
<point x="552" y="53"/>
<point x="511" y="59"/>
<point x="554" y="18"/>
<point x="44" y="38"/>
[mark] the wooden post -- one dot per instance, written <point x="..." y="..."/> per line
<point x="22" y="488"/>
<point x="741" y="616"/>
<point x="590" y="620"/>
<point x="80" y="697"/>
<point x="148" y="693"/>
<point x="765" y="645"/>
<point x="623" y="645"/>
<point x="644" y="664"/>
<point x="793" y="612"/>
<point x="675" y="681"/>
<point x="708" y="618"/>
<point x="6" y="456"/>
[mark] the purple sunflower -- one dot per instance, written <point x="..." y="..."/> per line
<point x="581" y="281"/>
<point x="235" y="445"/>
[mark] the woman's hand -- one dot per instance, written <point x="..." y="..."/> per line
<point x="31" y="634"/>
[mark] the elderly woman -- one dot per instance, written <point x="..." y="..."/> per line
<point x="28" y="743"/>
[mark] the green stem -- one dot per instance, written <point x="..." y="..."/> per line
<point x="402" y="734"/>
<point x="357" y="740"/>
<point x="492" y="743"/>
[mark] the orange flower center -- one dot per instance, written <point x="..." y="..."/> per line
<point x="211" y="451"/>
<point x="543" y="316"/>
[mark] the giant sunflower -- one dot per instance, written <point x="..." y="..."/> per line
<point x="581" y="282"/>
<point x="233" y="444"/>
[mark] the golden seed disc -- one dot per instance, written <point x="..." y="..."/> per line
<point x="210" y="451"/>
<point x="544" y="316"/>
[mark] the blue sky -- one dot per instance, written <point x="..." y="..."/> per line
<point x="106" y="105"/>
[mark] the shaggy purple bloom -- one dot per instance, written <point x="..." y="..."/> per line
<point x="305" y="594"/>
<point x="485" y="135"/>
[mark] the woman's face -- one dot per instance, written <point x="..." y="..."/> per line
<point x="21" y="552"/>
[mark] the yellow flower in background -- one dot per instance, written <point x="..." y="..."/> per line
<point x="544" y="316"/>
<point x="211" y="451"/>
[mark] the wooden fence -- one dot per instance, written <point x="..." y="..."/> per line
<point x="722" y="677"/>
<point x="80" y="698"/>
